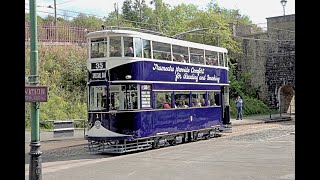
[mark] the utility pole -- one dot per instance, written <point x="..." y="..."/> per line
<point x="140" y="11"/>
<point x="35" y="153"/>
<point x="116" y="8"/>
<point x="55" y="12"/>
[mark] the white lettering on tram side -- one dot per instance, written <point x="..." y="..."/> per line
<point x="195" y="73"/>
<point x="162" y="68"/>
<point x="214" y="78"/>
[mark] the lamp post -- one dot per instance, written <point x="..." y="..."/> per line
<point x="116" y="9"/>
<point x="35" y="153"/>
<point x="219" y="11"/>
<point x="283" y="3"/>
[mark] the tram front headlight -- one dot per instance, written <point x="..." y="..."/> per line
<point x="97" y="124"/>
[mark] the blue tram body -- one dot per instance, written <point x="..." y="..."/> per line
<point x="126" y="95"/>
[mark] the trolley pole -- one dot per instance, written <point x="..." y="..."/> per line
<point x="35" y="153"/>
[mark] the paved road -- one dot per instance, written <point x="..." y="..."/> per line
<point x="257" y="151"/>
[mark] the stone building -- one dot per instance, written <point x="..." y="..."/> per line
<point x="269" y="58"/>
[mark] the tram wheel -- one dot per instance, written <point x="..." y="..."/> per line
<point x="195" y="137"/>
<point x="156" y="144"/>
<point x="206" y="137"/>
<point x="173" y="142"/>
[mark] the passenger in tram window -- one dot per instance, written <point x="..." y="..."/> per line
<point x="186" y="58"/>
<point x="202" y="102"/>
<point x="198" y="103"/>
<point x="181" y="58"/>
<point x="130" y="52"/>
<point x="209" y="61"/>
<point x="214" y="62"/>
<point x="166" y="105"/>
<point x="182" y="104"/>
<point x="169" y="58"/>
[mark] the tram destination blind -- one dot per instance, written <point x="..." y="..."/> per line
<point x="145" y="95"/>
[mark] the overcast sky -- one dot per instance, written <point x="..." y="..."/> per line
<point x="257" y="10"/>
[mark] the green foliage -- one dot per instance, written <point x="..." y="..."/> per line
<point x="63" y="70"/>
<point x="83" y="20"/>
<point x="251" y="106"/>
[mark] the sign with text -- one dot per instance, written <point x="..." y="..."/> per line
<point x="98" y="75"/>
<point x="36" y="94"/>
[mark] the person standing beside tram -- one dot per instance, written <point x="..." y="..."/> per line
<point x="239" y="103"/>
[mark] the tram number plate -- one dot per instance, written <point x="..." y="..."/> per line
<point x="98" y="75"/>
<point x="98" y="65"/>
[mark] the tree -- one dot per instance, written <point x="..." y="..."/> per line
<point x="127" y="10"/>
<point x="85" y="21"/>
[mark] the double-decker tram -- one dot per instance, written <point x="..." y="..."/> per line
<point x="147" y="91"/>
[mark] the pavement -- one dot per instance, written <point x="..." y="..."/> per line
<point x="258" y="119"/>
<point x="80" y="133"/>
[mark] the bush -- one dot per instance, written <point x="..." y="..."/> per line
<point x="63" y="70"/>
<point x="251" y="106"/>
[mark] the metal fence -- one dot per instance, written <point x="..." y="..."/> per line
<point x="51" y="125"/>
<point x="62" y="33"/>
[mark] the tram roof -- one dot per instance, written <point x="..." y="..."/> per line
<point x="157" y="38"/>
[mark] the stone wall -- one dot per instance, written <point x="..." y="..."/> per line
<point x="269" y="57"/>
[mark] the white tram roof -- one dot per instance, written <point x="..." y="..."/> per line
<point x="157" y="38"/>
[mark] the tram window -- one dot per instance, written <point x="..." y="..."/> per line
<point x="180" y="53"/>
<point x="211" y="58"/>
<point x="221" y="59"/>
<point x="115" y="101"/>
<point x="163" y="100"/>
<point x="138" y="47"/>
<point x="161" y="51"/>
<point x="97" y="98"/>
<point x="198" y="99"/>
<point x="130" y="97"/>
<point x="115" y="46"/>
<point x="146" y="48"/>
<point x="182" y="99"/>
<point x="214" y="98"/>
<point x="196" y="56"/>
<point x="128" y="46"/>
<point x="123" y="97"/>
<point x="98" y="47"/>
<point x="225" y="59"/>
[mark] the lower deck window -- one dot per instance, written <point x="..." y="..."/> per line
<point x="123" y="97"/>
<point x="214" y="99"/>
<point x="198" y="99"/>
<point x="163" y="100"/>
<point x="97" y="97"/>
<point x="182" y="99"/>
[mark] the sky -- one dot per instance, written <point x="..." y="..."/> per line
<point x="257" y="10"/>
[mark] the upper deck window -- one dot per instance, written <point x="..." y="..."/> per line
<point x="115" y="46"/>
<point x="180" y="53"/>
<point x="225" y="59"/>
<point x="221" y="60"/>
<point x="128" y="46"/>
<point x="211" y="58"/>
<point x="98" y="47"/>
<point x="138" y="47"/>
<point x="196" y="56"/>
<point x="161" y="50"/>
<point x="146" y="48"/>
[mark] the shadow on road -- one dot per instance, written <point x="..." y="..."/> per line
<point x="75" y="152"/>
